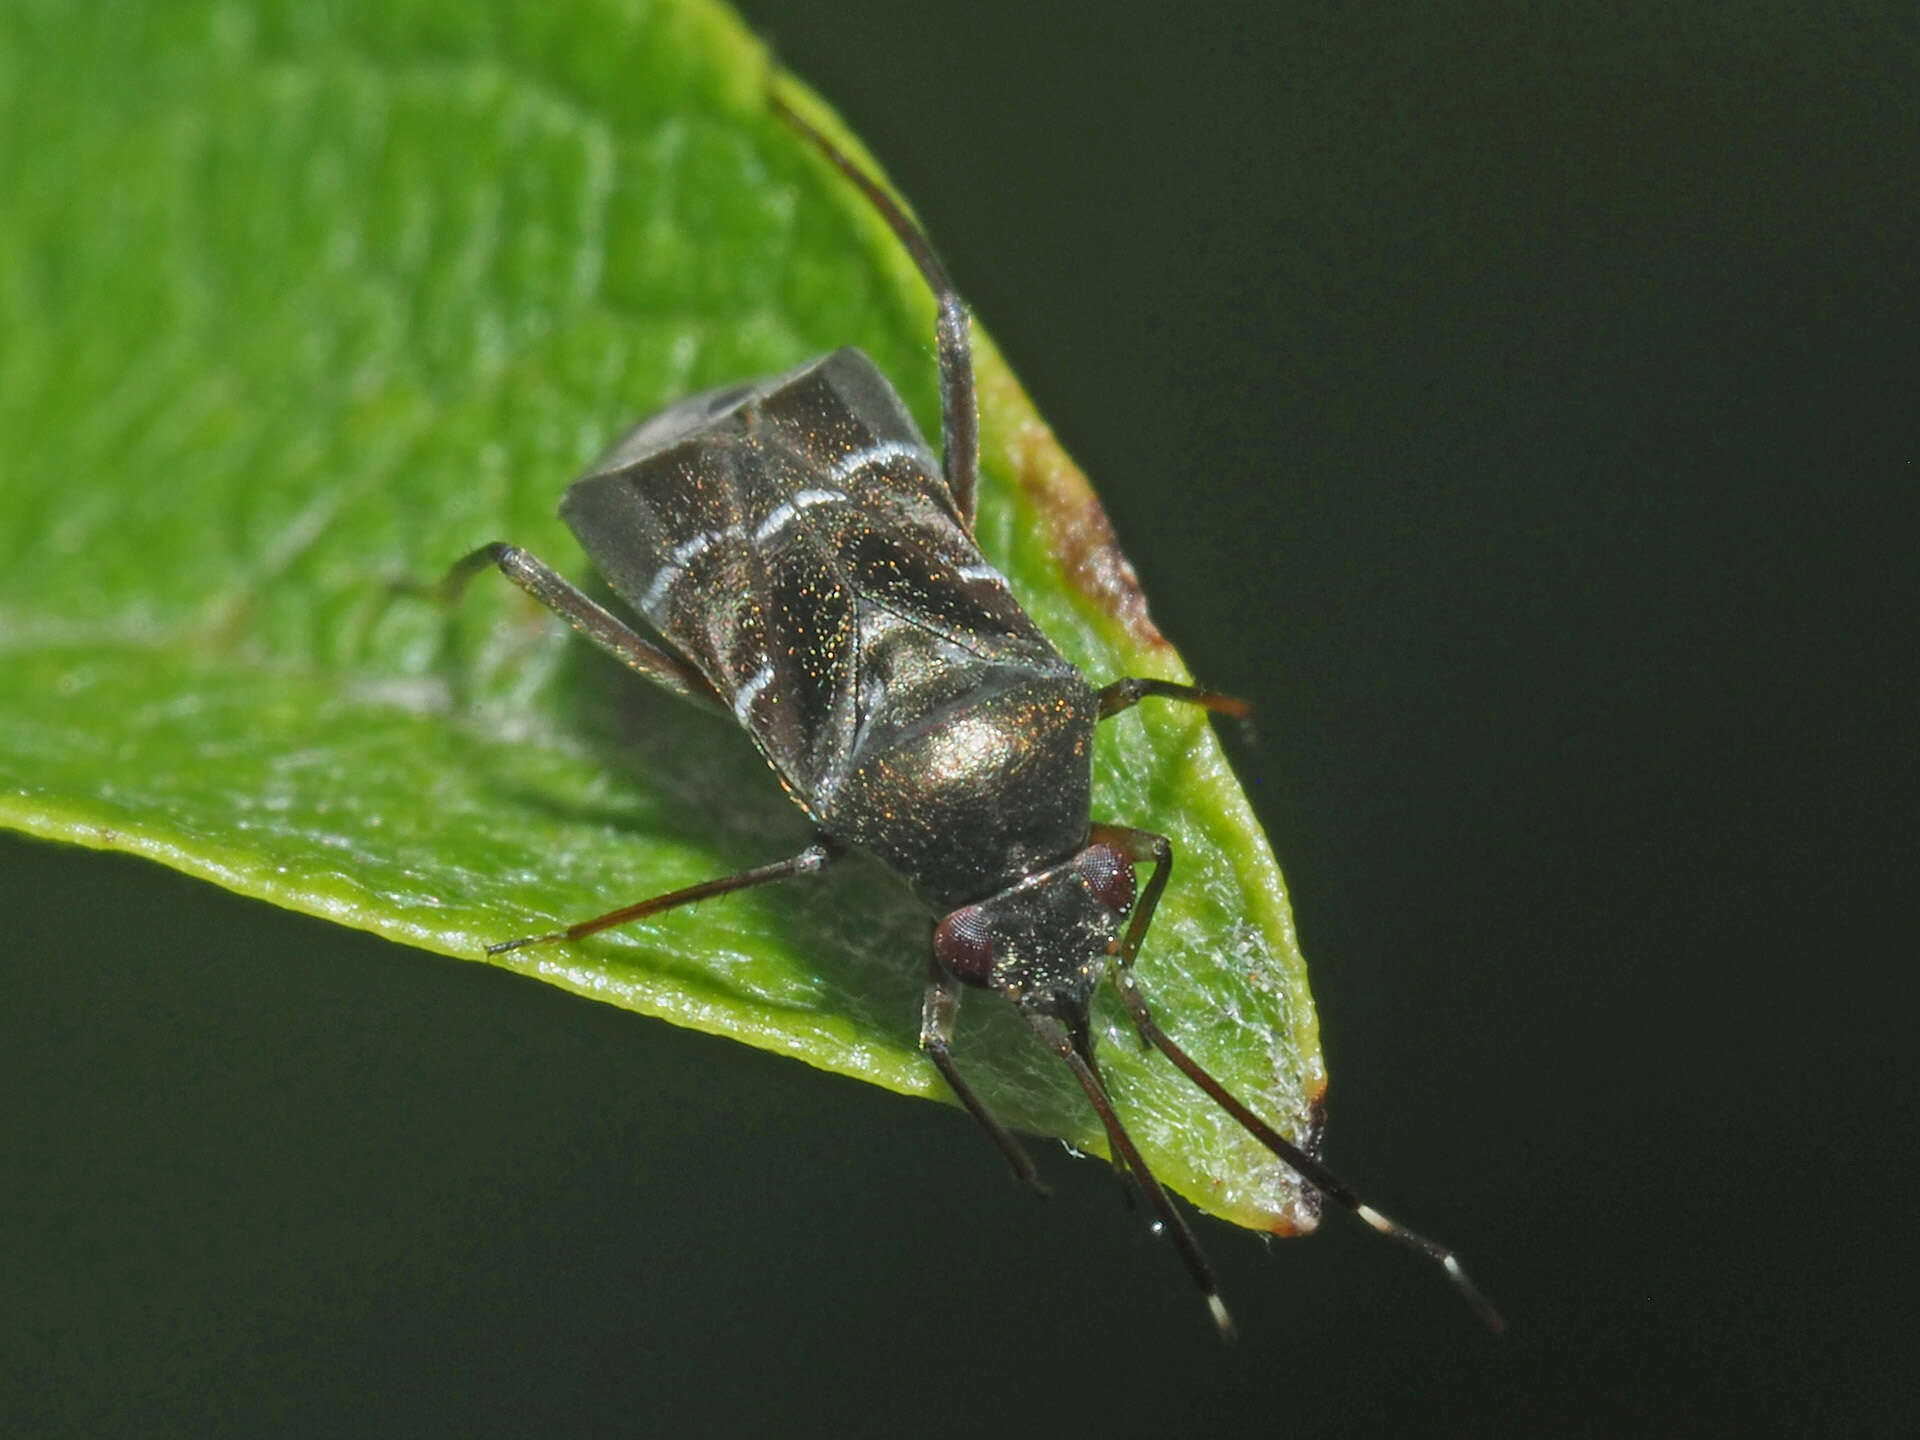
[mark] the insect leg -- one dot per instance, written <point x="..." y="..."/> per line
<point x="1125" y="694"/>
<point x="1144" y="847"/>
<point x="815" y="857"/>
<point x="1080" y="1033"/>
<point x="959" y="417"/>
<point x="573" y="605"/>
<point x="937" y="1015"/>
<point x="1056" y="1038"/>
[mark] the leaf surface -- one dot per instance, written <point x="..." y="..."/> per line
<point x="299" y="301"/>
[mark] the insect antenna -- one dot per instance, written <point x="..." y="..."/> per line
<point x="1308" y="1168"/>
<point x="1056" y="1037"/>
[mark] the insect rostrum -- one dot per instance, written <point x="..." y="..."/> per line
<point x="807" y="565"/>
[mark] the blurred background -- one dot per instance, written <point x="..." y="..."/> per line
<point x="1518" y="406"/>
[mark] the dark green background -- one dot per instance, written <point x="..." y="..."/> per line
<point x="1519" y="407"/>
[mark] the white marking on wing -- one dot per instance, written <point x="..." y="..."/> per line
<point x="749" y="692"/>
<point x="678" y="558"/>
<point x="778" y="517"/>
<point x="982" y="571"/>
<point x="852" y="464"/>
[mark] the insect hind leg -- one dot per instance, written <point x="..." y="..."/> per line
<point x="941" y="1008"/>
<point x="959" y="415"/>
<point x="578" y="609"/>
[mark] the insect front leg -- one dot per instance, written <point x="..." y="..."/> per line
<point x="938" y="1012"/>
<point x="570" y="603"/>
<point x="1058" y="1039"/>
<point x="1142" y="847"/>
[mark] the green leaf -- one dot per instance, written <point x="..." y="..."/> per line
<point x="299" y="300"/>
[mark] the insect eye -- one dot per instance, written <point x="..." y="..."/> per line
<point x="964" y="943"/>
<point x="1109" y="877"/>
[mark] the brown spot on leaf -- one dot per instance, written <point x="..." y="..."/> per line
<point x="1080" y="533"/>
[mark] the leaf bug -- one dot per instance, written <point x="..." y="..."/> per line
<point x="808" y="566"/>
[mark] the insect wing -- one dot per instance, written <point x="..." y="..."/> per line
<point x="794" y="540"/>
<point x="885" y="513"/>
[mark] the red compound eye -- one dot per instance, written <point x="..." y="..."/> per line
<point x="1109" y="876"/>
<point x="964" y="943"/>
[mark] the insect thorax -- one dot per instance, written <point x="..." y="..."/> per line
<point x="993" y="787"/>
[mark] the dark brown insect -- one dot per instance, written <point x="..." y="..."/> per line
<point x="808" y="566"/>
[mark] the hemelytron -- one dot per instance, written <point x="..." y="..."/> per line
<point x="806" y="564"/>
